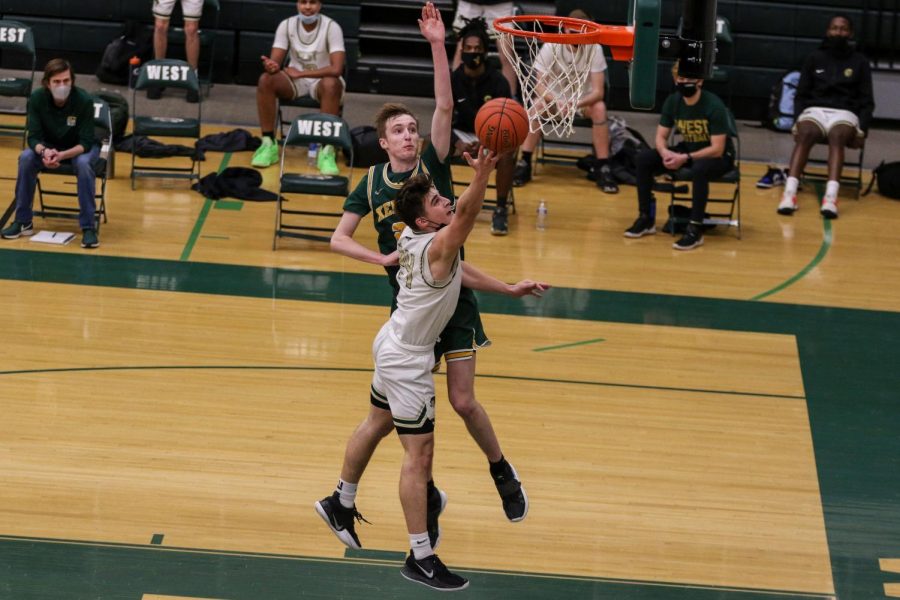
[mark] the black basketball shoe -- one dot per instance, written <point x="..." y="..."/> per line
<point x="515" y="500"/>
<point x="437" y="502"/>
<point x="340" y="519"/>
<point x="431" y="571"/>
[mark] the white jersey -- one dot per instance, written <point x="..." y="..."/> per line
<point x="309" y="50"/>
<point x="553" y="58"/>
<point x="424" y="306"/>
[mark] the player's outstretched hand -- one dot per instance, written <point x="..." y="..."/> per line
<point x="527" y="287"/>
<point x="483" y="162"/>
<point x="431" y="25"/>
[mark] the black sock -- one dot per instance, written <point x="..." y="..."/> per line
<point x="498" y="468"/>
<point x="501" y="201"/>
<point x="526" y="156"/>
<point x="270" y="134"/>
<point x="601" y="162"/>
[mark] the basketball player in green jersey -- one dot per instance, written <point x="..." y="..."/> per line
<point x="398" y="131"/>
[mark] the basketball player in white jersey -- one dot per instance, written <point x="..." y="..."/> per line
<point x="430" y="277"/>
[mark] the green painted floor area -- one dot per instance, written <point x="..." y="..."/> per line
<point x="853" y="397"/>
<point x="56" y="570"/>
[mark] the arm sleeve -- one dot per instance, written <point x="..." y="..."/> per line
<point x="86" y="136"/>
<point x="358" y="200"/>
<point x="667" y="113"/>
<point x="804" y="88"/>
<point x="33" y="124"/>
<point x="866" y="96"/>
<point x="335" y="38"/>
<point x="718" y="120"/>
<point x="281" y="36"/>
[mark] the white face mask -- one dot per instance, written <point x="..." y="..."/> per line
<point x="310" y="20"/>
<point x="61" y="92"/>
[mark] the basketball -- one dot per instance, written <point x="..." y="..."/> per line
<point x="501" y="125"/>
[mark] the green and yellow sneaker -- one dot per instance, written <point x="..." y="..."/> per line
<point x="326" y="162"/>
<point x="266" y="155"/>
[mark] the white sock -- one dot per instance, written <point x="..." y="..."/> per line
<point x="790" y="186"/>
<point x="421" y="545"/>
<point x="347" y="492"/>
<point x="831" y="190"/>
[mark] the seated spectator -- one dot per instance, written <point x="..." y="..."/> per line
<point x="315" y="44"/>
<point x="475" y="82"/>
<point x="487" y="11"/>
<point x="834" y="104"/>
<point x="590" y="105"/>
<point x="191" y="11"/>
<point x="702" y="121"/>
<point x="60" y="128"/>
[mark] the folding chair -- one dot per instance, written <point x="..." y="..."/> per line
<point x="104" y="130"/>
<point x="303" y="102"/>
<point x="16" y="38"/>
<point x="157" y="74"/>
<point x="852" y="174"/>
<point x="315" y="220"/>
<point x="730" y="212"/>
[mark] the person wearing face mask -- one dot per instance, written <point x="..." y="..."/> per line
<point x="834" y="104"/>
<point x="314" y="46"/>
<point x="191" y="11"/>
<point x="474" y="82"/>
<point x="60" y="128"/>
<point x="701" y="119"/>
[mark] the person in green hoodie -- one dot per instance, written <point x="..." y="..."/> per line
<point x="60" y="129"/>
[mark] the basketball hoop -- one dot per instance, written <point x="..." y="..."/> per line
<point x="553" y="80"/>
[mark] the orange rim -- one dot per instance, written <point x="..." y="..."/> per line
<point x="619" y="38"/>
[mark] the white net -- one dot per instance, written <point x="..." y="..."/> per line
<point x="552" y="77"/>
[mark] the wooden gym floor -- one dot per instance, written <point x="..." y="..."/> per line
<point x="719" y="423"/>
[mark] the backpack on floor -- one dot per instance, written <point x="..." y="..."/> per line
<point x="887" y="174"/>
<point x="780" y="115"/>
<point x="366" y="149"/>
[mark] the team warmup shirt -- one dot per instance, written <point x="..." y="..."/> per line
<point x="696" y="123"/>
<point x="61" y="127"/>
<point x="309" y="50"/>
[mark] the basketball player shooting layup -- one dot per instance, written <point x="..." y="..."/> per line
<point x="430" y="278"/>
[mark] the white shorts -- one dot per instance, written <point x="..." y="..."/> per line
<point x="826" y="118"/>
<point x="403" y="378"/>
<point x="308" y="86"/>
<point x="191" y="9"/>
<point x="470" y="10"/>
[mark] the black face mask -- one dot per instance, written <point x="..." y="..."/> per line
<point x="836" y="43"/>
<point x="473" y="60"/>
<point x="687" y="90"/>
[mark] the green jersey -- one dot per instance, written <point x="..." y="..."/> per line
<point x="696" y="123"/>
<point x="377" y="191"/>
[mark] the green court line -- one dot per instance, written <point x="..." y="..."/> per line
<point x="157" y="539"/>
<point x="201" y="218"/>
<point x="570" y="345"/>
<point x="386" y="555"/>
<point x="229" y="205"/>
<point x="393" y="563"/>
<point x="823" y="250"/>
<point x="369" y="370"/>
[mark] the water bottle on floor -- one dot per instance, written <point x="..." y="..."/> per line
<point x="541" y="222"/>
<point x="312" y="157"/>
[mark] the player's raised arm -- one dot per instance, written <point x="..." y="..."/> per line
<point x="432" y="28"/>
<point x="450" y="239"/>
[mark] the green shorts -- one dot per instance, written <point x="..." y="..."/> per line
<point x="464" y="334"/>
